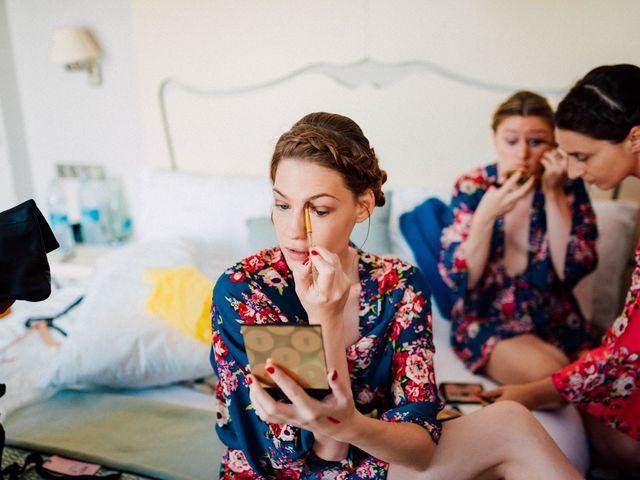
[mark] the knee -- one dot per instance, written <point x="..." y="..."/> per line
<point x="508" y="408"/>
<point x="514" y="417"/>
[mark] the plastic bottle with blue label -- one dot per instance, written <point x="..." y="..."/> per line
<point x="94" y="210"/>
<point x="118" y="212"/>
<point x="59" y="216"/>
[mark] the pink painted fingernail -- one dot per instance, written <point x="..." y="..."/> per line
<point x="333" y="420"/>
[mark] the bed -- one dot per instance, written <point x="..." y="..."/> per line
<point x="119" y="367"/>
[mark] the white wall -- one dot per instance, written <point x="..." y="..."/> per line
<point x="7" y="190"/>
<point x="66" y="119"/>
<point x="15" y="176"/>
<point x="230" y="43"/>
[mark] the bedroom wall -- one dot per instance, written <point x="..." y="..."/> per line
<point x="10" y="107"/>
<point x="230" y="43"/>
<point x="65" y="119"/>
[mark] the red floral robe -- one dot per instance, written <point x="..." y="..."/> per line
<point x="605" y="381"/>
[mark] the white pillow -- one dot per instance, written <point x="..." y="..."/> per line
<point x="601" y="294"/>
<point x="115" y="342"/>
<point x="209" y="208"/>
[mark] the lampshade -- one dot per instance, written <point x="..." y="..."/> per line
<point x="73" y="45"/>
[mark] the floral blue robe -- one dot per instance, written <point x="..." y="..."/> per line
<point x="390" y="365"/>
<point x="536" y="301"/>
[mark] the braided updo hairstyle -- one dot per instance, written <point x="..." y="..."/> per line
<point x="604" y="105"/>
<point x="335" y="142"/>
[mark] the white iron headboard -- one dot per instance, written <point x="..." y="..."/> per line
<point x="427" y="123"/>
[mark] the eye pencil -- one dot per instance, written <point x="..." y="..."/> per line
<point x="307" y="224"/>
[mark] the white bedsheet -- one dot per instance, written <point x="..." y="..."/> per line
<point x="564" y="426"/>
<point x="112" y="340"/>
<point x="34" y="371"/>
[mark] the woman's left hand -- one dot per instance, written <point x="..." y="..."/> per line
<point x="555" y="170"/>
<point x="523" y="394"/>
<point x="539" y="394"/>
<point x="333" y="416"/>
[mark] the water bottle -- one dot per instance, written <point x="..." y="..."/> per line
<point x="94" y="204"/>
<point x="59" y="217"/>
<point x="118" y="212"/>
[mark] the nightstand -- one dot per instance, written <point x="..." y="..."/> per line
<point x="76" y="268"/>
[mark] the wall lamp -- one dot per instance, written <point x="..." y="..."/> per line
<point x="77" y="49"/>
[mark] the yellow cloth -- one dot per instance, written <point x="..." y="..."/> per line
<point x="182" y="296"/>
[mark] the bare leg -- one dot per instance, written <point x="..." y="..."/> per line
<point x="612" y="448"/>
<point x="503" y="440"/>
<point x="523" y="359"/>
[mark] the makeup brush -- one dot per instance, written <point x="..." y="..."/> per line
<point x="307" y="224"/>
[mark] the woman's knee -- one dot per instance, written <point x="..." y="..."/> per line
<point x="513" y="417"/>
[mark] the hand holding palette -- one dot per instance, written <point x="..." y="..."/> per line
<point x="296" y="349"/>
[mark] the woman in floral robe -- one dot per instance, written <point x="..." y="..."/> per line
<point x="599" y="130"/>
<point x="390" y="365"/>
<point x="380" y="418"/>
<point x="516" y="250"/>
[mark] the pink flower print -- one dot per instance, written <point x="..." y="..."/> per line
<point x="388" y="282"/>
<point x="238" y="276"/>
<point x="237" y="462"/>
<point x="222" y="412"/>
<point x="273" y="279"/>
<point x="253" y="263"/>
<point x="624" y="385"/>
<point x="220" y="350"/>
<point x="508" y="302"/>
<point x="418" y="367"/>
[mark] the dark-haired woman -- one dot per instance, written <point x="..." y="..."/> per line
<point x="381" y="417"/>
<point x="598" y="128"/>
<point x="522" y="237"/>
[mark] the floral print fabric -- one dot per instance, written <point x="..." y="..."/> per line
<point x="605" y="381"/>
<point x="391" y="365"/>
<point x="536" y="301"/>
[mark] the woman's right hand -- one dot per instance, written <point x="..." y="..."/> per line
<point x="335" y="416"/>
<point x="326" y="297"/>
<point x="499" y="200"/>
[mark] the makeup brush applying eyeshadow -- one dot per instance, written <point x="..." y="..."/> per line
<point x="307" y="224"/>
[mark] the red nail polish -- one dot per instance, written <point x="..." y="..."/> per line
<point x="313" y="252"/>
<point x="333" y="420"/>
<point x="270" y="370"/>
<point x="249" y="381"/>
<point x="334" y="375"/>
<point x="306" y="262"/>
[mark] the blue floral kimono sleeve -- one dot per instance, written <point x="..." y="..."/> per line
<point x="233" y="303"/>
<point x="467" y="193"/>
<point x="414" y="390"/>
<point x="581" y="258"/>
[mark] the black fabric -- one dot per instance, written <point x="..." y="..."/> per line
<point x="25" y="240"/>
